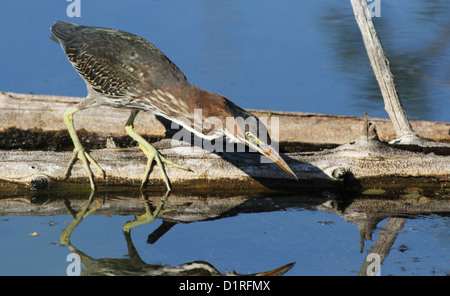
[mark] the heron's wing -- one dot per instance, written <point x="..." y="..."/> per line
<point x="116" y="63"/>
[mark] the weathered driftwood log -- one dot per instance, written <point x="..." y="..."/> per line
<point x="365" y="157"/>
<point x="361" y="159"/>
<point x="383" y="74"/>
<point x="44" y="113"/>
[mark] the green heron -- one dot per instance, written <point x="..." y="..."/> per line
<point x="123" y="70"/>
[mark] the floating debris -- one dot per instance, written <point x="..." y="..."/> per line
<point x="415" y="190"/>
<point x="33" y="234"/>
<point x="373" y="191"/>
<point x="412" y="195"/>
<point x="412" y="192"/>
<point x="403" y="248"/>
<point x="325" y="222"/>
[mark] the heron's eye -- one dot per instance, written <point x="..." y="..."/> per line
<point x="251" y="137"/>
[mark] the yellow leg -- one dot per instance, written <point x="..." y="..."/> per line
<point x="151" y="153"/>
<point x="148" y="216"/>
<point x="79" y="152"/>
<point x="77" y="217"/>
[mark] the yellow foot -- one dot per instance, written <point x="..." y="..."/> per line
<point x="81" y="154"/>
<point x="154" y="155"/>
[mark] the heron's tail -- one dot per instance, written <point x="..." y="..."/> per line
<point x="63" y="32"/>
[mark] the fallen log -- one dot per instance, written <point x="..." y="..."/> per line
<point x="44" y="113"/>
<point x="361" y="159"/>
<point x="364" y="158"/>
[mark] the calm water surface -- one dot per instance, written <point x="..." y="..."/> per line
<point x="246" y="234"/>
<point x="303" y="56"/>
<point x="275" y="55"/>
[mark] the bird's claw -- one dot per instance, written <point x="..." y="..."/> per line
<point x="81" y="154"/>
<point x="154" y="155"/>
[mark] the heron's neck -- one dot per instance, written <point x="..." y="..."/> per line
<point x="197" y="110"/>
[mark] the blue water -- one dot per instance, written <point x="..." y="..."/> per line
<point x="320" y="243"/>
<point x="289" y="55"/>
<point x="292" y="55"/>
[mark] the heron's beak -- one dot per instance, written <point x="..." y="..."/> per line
<point x="271" y="153"/>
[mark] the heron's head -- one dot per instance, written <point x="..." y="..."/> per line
<point x="250" y="130"/>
